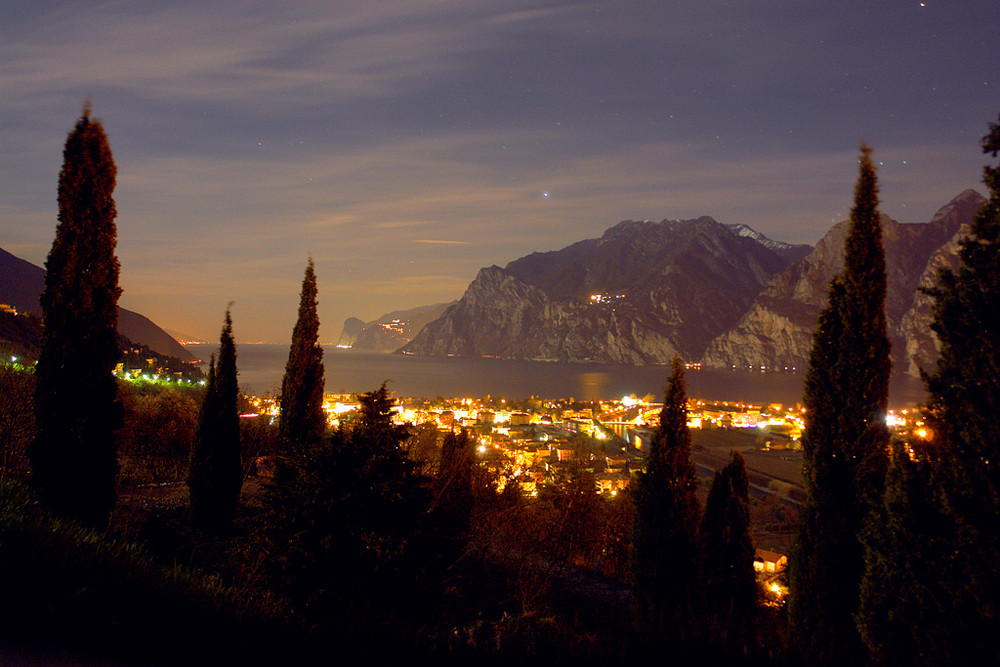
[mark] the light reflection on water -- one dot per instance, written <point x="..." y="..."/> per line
<point x="593" y="383"/>
<point x="262" y="366"/>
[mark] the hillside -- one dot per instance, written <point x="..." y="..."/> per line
<point x="21" y="285"/>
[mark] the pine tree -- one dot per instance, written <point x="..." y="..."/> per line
<point x="730" y="580"/>
<point x="216" y="475"/>
<point x="845" y="443"/>
<point x="665" y="556"/>
<point x="302" y="418"/>
<point x="342" y="532"/>
<point x="932" y="581"/>
<point x="74" y="454"/>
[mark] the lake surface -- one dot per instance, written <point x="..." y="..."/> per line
<point x="261" y="368"/>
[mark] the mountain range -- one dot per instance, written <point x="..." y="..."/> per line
<point x="777" y="329"/>
<point x="390" y="331"/>
<point x="21" y="285"/>
<point x="724" y="295"/>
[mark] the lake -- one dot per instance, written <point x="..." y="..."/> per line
<point x="261" y="368"/>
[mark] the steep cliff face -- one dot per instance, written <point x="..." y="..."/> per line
<point x="639" y="294"/>
<point x="920" y="347"/>
<point x="349" y="332"/>
<point x="776" y="331"/>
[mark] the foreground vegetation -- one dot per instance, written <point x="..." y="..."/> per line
<point x="65" y="585"/>
<point x="369" y="542"/>
<point x="474" y="568"/>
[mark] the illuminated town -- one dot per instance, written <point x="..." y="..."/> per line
<point x="533" y="439"/>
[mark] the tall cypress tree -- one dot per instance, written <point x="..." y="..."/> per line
<point x="216" y="475"/>
<point x="933" y="584"/>
<point x="730" y="579"/>
<point x="302" y="418"/>
<point x="665" y="557"/>
<point x="845" y="443"/>
<point x="74" y="454"/>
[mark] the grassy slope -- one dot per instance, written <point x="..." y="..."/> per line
<point x="65" y="586"/>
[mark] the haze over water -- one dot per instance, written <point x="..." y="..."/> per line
<point x="348" y="371"/>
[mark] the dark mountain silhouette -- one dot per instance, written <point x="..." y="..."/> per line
<point x="21" y="285"/>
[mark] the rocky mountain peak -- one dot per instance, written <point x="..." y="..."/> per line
<point x="959" y="210"/>
<point x="776" y="331"/>
<point x="641" y="293"/>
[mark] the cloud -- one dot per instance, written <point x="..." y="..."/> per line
<point x="410" y="137"/>
<point x="256" y="54"/>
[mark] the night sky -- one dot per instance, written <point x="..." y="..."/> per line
<point x="404" y="145"/>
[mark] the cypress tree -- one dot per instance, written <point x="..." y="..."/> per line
<point x="933" y="584"/>
<point x="964" y="390"/>
<point x="908" y="613"/>
<point x="74" y="453"/>
<point x="730" y="579"/>
<point x="302" y="418"/>
<point x="216" y="475"/>
<point x="845" y="443"/>
<point x="665" y="556"/>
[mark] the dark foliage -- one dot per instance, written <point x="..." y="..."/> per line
<point x="89" y="599"/>
<point x="814" y="567"/>
<point x="343" y="536"/>
<point x="542" y="540"/>
<point x="865" y="348"/>
<point x="17" y="424"/>
<point x="302" y="418"/>
<point x="845" y="443"/>
<point x="666" y="555"/>
<point x="908" y="605"/>
<point x="932" y="583"/>
<point x="20" y="335"/>
<point x="142" y="359"/>
<point x="453" y="499"/>
<point x="158" y="428"/>
<point x="73" y="457"/>
<point x="216" y="474"/>
<point x="731" y="591"/>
